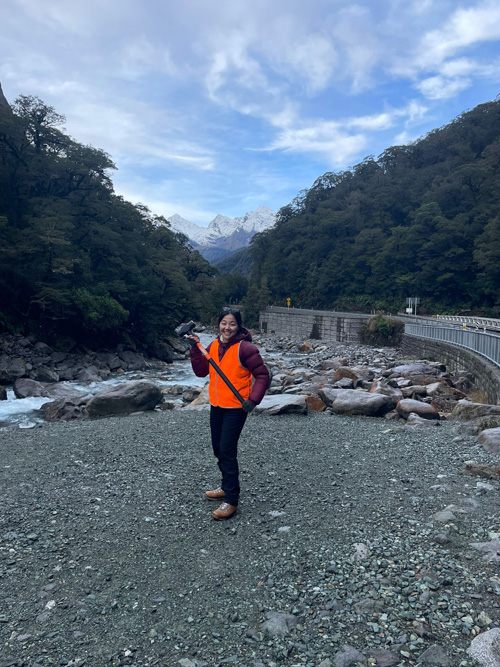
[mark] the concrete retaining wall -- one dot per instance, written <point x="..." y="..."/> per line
<point x="486" y="375"/>
<point x="315" y="324"/>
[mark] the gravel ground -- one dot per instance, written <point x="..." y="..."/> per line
<point x="109" y="555"/>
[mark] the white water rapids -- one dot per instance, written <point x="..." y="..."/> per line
<point x="24" y="411"/>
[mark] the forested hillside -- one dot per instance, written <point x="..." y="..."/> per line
<point x="420" y="220"/>
<point x="77" y="262"/>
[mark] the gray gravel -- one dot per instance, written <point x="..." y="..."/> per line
<point x="109" y="556"/>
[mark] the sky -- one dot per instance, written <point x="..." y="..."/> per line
<point x="220" y="107"/>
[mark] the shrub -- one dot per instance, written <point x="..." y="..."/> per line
<point x="383" y="331"/>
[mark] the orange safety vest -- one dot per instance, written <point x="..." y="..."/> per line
<point x="219" y="393"/>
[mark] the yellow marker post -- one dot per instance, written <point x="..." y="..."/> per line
<point x="288" y="301"/>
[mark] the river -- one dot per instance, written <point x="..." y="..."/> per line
<point x="23" y="412"/>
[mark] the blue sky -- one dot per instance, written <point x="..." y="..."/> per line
<point x="224" y="106"/>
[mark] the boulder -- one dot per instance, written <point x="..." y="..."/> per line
<point x="380" y="387"/>
<point x="3" y="394"/>
<point x="135" y="396"/>
<point x="416" y="368"/>
<point x="482" y="470"/>
<point x="45" y="374"/>
<point x="25" y="387"/>
<point x="280" y="404"/>
<point x="43" y="348"/>
<point x="489" y="439"/>
<point x="414" y="390"/>
<point x="416" y="420"/>
<point x="190" y="394"/>
<point x="202" y="398"/>
<point x="278" y="624"/>
<point x="485" y="648"/>
<point x="63" y="410"/>
<point x="353" y="402"/>
<point x="87" y="375"/>
<point x="345" y="372"/>
<point x="11" y="369"/>
<point x="315" y="404"/>
<point x="408" y="405"/>
<point x="133" y="361"/>
<point x="475" y="426"/>
<point x="466" y="410"/>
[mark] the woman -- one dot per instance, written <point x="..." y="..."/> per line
<point x="239" y="360"/>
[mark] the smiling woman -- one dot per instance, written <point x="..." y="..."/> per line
<point x="240" y="362"/>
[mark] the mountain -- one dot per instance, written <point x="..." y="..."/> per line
<point x="224" y="236"/>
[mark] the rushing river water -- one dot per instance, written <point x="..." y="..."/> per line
<point x="24" y="411"/>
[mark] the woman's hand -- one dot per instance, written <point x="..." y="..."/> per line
<point x="192" y="340"/>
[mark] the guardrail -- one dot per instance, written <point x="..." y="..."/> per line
<point x="479" y="322"/>
<point x="485" y="344"/>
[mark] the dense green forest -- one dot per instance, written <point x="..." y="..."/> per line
<point x="421" y="220"/>
<point x="77" y="262"/>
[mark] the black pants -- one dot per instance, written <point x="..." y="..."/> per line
<point x="226" y="425"/>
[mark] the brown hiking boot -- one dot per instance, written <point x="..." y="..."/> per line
<point x="216" y="494"/>
<point x="224" y="512"/>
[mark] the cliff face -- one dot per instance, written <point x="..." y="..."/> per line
<point x="3" y="99"/>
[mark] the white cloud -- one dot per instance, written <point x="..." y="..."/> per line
<point x="325" y="137"/>
<point x="442" y="88"/>
<point x="140" y="194"/>
<point x="465" y="28"/>
<point x="140" y="57"/>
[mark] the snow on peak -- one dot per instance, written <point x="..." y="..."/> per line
<point x="222" y="227"/>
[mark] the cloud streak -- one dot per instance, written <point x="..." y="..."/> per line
<point x="201" y="102"/>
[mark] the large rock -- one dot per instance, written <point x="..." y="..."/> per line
<point x="46" y="374"/>
<point x="25" y="387"/>
<point x="416" y="420"/>
<point x="133" y="361"/>
<point x="11" y="369"/>
<point x="280" y="404"/>
<point x="407" y="370"/>
<point x="380" y="387"/>
<point x="489" y="439"/>
<point x="408" y="405"/>
<point x="278" y="624"/>
<point x="466" y="410"/>
<point x="353" y="402"/>
<point x="315" y="404"/>
<point x="135" y="396"/>
<point x="485" y="648"/>
<point x="63" y="410"/>
<point x="345" y="372"/>
<point x="202" y="398"/>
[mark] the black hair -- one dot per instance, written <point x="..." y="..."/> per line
<point x="231" y="311"/>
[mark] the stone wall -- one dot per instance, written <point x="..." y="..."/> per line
<point x="486" y="374"/>
<point x="315" y="324"/>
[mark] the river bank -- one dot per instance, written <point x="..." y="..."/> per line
<point x="109" y="555"/>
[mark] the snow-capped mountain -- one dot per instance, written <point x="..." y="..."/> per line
<point x="224" y="235"/>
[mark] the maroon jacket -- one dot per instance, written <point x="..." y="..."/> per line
<point x="249" y="356"/>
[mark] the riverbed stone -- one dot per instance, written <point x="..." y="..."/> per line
<point x="353" y="402"/>
<point x="465" y="410"/>
<point x="63" y="410"/>
<point x="409" y="405"/>
<point x="279" y="404"/>
<point x="134" y="396"/>
<point x="485" y="648"/>
<point x="489" y="439"/>
<point x="279" y="624"/>
<point x="26" y="387"/>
